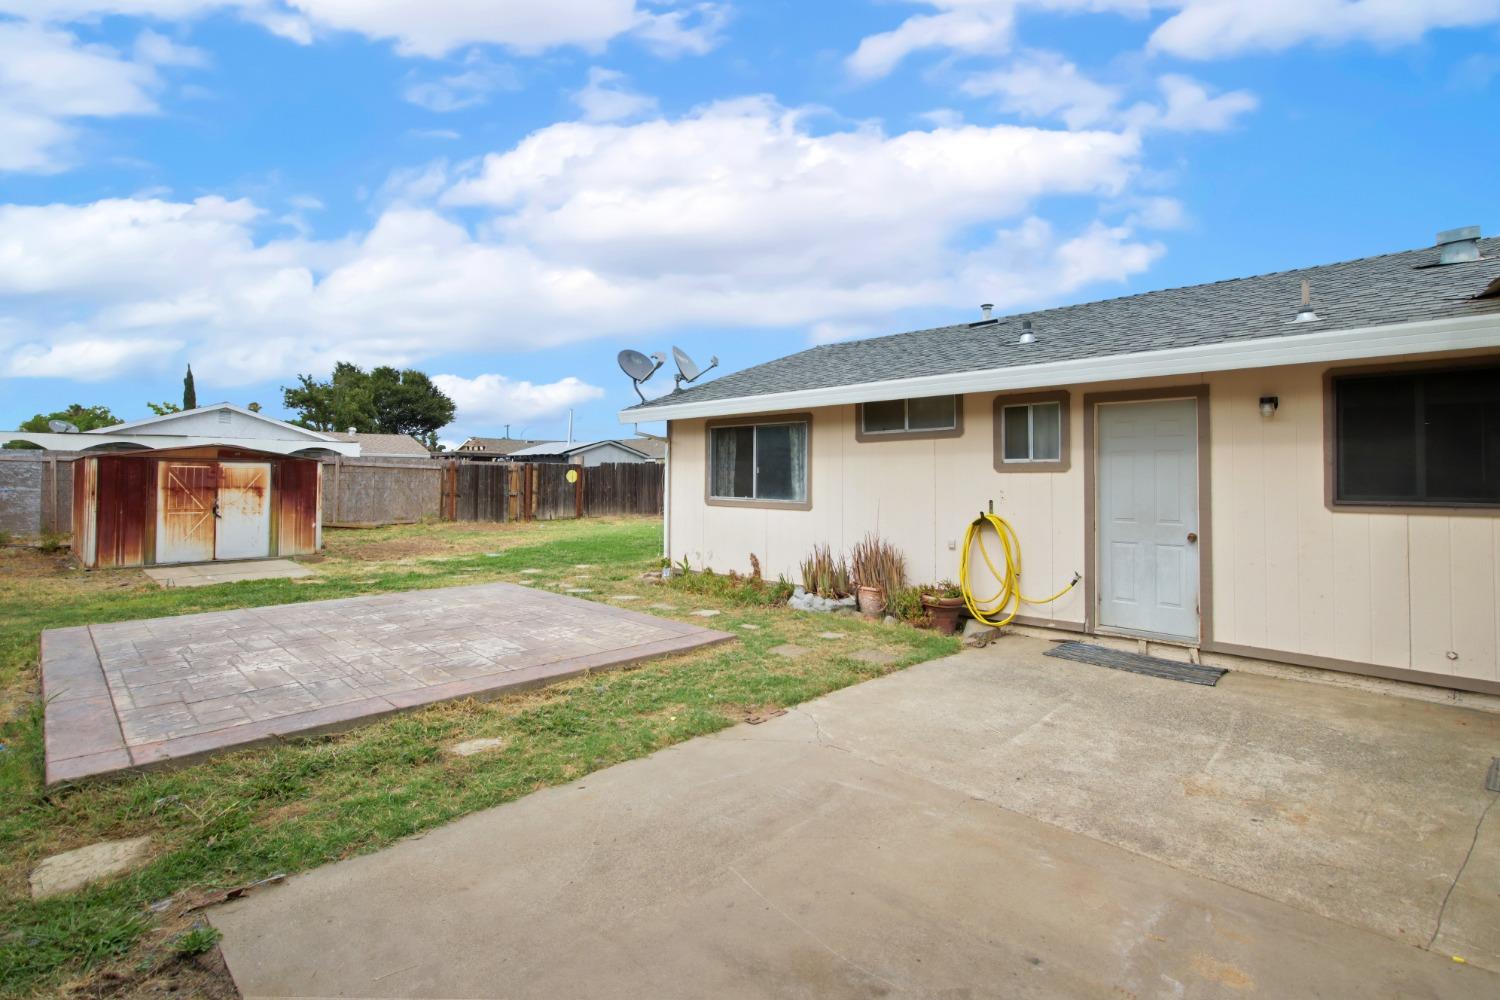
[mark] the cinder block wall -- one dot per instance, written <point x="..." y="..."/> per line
<point x="36" y="492"/>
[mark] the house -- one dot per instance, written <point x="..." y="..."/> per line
<point x="1301" y="467"/>
<point x="383" y="445"/>
<point x="488" y="449"/>
<point x="585" y="453"/>
<point x="212" y="483"/>
<point x="654" y="448"/>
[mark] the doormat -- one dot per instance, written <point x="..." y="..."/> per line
<point x="1192" y="673"/>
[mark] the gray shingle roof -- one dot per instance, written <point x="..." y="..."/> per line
<point x="1372" y="291"/>
<point x="383" y="445"/>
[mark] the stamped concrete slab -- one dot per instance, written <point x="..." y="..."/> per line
<point x="135" y="694"/>
<point x="77" y="868"/>
<point x="206" y="574"/>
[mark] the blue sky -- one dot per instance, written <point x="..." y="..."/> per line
<point x="505" y="194"/>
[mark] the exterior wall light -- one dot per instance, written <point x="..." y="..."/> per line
<point x="1268" y="406"/>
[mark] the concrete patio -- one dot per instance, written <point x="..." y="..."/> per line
<point x="993" y="824"/>
<point x="140" y="693"/>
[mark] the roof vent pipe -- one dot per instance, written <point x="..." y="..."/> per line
<point x="984" y="311"/>
<point x="1027" y="337"/>
<point x="1305" y="313"/>
<point x="1458" y="246"/>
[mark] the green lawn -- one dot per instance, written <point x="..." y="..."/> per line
<point x="245" y="816"/>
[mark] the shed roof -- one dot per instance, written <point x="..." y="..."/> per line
<point x="1353" y="296"/>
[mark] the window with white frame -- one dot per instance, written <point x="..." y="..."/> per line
<point x="759" y="461"/>
<point x="1032" y="432"/>
<point x="909" y="416"/>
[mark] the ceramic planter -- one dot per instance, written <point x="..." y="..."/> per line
<point x="944" y="612"/>
<point x="871" y="600"/>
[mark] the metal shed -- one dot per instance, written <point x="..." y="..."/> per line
<point x="214" y="483"/>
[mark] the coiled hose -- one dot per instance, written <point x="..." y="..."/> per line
<point x="988" y="610"/>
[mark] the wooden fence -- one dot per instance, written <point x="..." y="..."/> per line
<point x="496" y="491"/>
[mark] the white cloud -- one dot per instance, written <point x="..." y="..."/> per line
<point x="1189" y="107"/>
<point x="155" y="49"/>
<point x="492" y="400"/>
<point x="90" y="360"/>
<point x="1043" y="84"/>
<point x="1206" y="29"/>
<point x="47" y="80"/>
<point x="433" y="28"/>
<point x="735" y="216"/>
<point x="471" y="85"/>
<point x="960" y="26"/>
<point x="606" y="98"/>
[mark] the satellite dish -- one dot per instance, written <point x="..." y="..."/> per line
<point x="61" y="427"/>
<point x="640" y="368"/>
<point x="687" y="368"/>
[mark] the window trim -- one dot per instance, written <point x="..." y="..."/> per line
<point x="1064" y="460"/>
<point x="868" y="437"/>
<point x="752" y="420"/>
<point x="1331" y="500"/>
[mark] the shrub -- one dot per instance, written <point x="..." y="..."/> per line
<point x="906" y="604"/>
<point x="877" y="563"/>
<point x="52" y="542"/>
<point x="824" y="575"/>
<point x="5" y="539"/>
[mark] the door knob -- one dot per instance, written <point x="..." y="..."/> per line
<point x="1192" y="538"/>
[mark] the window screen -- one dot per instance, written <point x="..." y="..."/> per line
<point x="1032" y="432"/>
<point x="897" y="416"/>
<point x="1418" y="438"/>
<point x="759" y="462"/>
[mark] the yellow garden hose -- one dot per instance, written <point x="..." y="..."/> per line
<point x="989" y="610"/>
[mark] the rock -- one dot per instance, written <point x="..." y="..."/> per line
<point x="469" y="748"/>
<point x="973" y="628"/>
<point x="75" y="869"/>
<point x="790" y="651"/>
<point x="801" y="600"/>
<point x="891" y="620"/>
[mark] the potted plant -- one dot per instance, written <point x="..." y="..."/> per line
<point x="879" y="570"/>
<point x="944" y="604"/>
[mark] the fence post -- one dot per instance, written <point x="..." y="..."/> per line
<point x="578" y="494"/>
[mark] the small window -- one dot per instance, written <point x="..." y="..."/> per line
<point x="1032" y="432"/>
<point x="1418" y="438"/>
<point x="765" y="462"/>
<point x="925" y="415"/>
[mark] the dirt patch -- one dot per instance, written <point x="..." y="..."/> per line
<point x="22" y="561"/>
<point x="201" y="977"/>
<point x="419" y="541"/>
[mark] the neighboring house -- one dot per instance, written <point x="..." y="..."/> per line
<point x="654" y="448"/>
<point x="383" y="445"/>
<point x="1227" y="467"/>
<point x="485" y="449"/>
<point x="216" y="482"/>
<point x="585" y="453"/>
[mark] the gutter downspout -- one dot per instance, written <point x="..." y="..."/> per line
<point x="666" y="502"/>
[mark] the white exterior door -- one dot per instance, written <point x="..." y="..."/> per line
<point x="244" y="511"/>
<point x="1148" y="518"/>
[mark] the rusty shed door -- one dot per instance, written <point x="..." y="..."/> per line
<point x="244" y="511"/>
<point x="185" y="511"/>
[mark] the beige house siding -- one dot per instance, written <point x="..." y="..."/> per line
<point x="1288" y="575"/>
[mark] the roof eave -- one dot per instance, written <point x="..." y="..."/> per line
<point x="1387" y="340"/>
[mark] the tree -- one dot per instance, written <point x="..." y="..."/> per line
<point x="189" y="391"/>
<point x="381" y="401"/>
<point x="85" y="418"/>
<point x="162" y="409"/>
<point x="253" y="407"/>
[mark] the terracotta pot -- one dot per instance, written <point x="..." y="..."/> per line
<point x="944" y="611"/>
<point x="871" y="600"/>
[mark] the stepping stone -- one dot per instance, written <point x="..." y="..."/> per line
<point x="469" y="748"/>
<point x="791" y="651"/>
<point x="664" y="607"/>
<point x="623" y="597"/>
<point x="578" y="590"/>
<point x="526" y="583"/>
<point x="75" y="869"/>
<point x="749" y="628"/>
<point x="530" y="572"/>
<point x="584" y="566"/>
<point x="832" y="635"/>
<point x="706" y="613"/>
<point x="580" y="576"/>
<point x="877" y="656"/>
